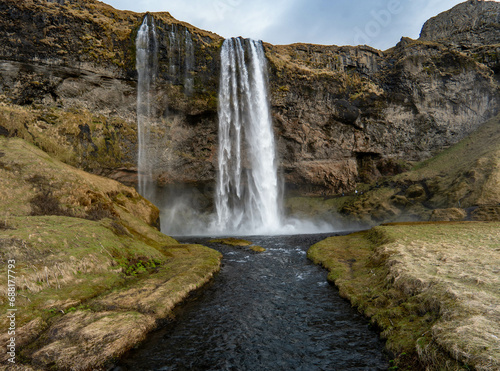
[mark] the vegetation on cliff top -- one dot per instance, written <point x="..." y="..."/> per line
<point x="432" y="289"/>
<point x="92" y="275"/>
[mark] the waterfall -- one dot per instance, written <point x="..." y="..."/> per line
<point x="173" y="48"/>
<point x="247" y="195"/>
<point x="147" y="67"/>
<point x="189" y="63"/>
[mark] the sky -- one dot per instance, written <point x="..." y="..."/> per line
<point x="378" y="23"/>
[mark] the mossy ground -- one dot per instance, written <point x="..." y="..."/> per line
<point x="231" y="241"/>
<point x="92" y="275"/>
<point x="75" y="136"/>
<point x="432" y="289"/>
<point x="238" y="242"/>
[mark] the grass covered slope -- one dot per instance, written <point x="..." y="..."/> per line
<point x="461" y="182"/>
<point x="75" y="136"/>
<point x="462" y="176"/>
<point x="93" y="275"/>
<point x="432" y="288"/>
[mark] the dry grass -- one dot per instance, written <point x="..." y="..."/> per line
<point x="432" y="288"/>
<point x="458" y="266"/>
<point x="106" y="335"/>
<point x="93" y="281"/>
<point x="190" y="267"/>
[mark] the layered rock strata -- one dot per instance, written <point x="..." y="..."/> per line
<point x="341" y="115"/>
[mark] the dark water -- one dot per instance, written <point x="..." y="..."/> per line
<point x="264" y="311"/>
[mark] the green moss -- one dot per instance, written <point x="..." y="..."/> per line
<point x="256" y="248"/>
<point x="387" y="273"/>
<point x="53" y="241"/>
<point x="59" y="133"/>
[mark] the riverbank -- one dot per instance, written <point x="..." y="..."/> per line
<point x="431" y="288"/>
<point x="271" y="310"/>
<point x="92" y="274"/>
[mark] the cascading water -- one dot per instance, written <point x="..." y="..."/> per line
<point x="147" y="66"/>
<point x="247" y="196"/>
<point x="189" y="63"/>
<point x="247" y="199"/>
<point x="173" y="48"/>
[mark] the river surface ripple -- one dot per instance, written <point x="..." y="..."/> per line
<point x="264" y="311"/>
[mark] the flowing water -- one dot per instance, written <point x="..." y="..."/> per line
<point x="264" y="311"/>
<point x="247" y="195"/>
<point x="189" y="64"/>
<point x="146" y="65"/>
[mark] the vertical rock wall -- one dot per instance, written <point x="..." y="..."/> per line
<point x="341" y="115"/>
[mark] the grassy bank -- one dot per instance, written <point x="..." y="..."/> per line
<point x="92" y="274"/>
<point x="431" y="288"/>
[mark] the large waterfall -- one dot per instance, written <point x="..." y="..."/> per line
<point x="247" y="193"/>
<point x="147" y="67"/>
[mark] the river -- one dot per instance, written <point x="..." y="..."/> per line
<point x="272" y="310"/>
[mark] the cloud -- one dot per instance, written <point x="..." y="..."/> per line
<point x="379" y="23"/>
<point x="226" y="17"/>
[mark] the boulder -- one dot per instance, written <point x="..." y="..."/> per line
<point x="448" y="215"/>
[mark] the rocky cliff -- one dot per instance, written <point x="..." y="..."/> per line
<point x="460" y="183"/>
<point x="471" y="27"/>
<point x="342" y="115"/>
<point x="350" y="114"/>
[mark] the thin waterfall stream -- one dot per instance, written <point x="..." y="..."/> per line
<point x="146" y="65"/>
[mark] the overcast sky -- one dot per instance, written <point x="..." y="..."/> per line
<point x="378" y="23"/>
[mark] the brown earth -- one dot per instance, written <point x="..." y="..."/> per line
<point x="93" y="275"/>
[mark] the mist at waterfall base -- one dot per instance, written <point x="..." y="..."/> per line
<point x="248" y="193"/>
<point x="181" y="217"/>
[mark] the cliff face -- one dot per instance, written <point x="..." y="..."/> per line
<point x="472" y="28"/>
<point x="341" y="114"/>
<point x="353" y="113"/>
<point x="471" y="24"/>
<point x="79" y="57"/>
